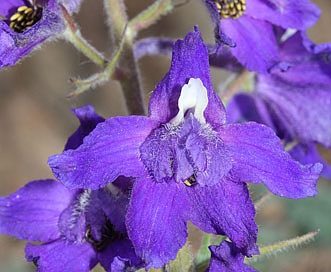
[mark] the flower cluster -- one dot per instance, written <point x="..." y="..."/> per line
<point x="126" y="187"/>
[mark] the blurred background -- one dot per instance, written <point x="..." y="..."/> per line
<point x="35" y="121"/>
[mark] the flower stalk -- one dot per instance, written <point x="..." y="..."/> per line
<point x="73" y="35"/>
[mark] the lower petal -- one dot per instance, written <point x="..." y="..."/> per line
<point x="60" y="256"/>
<point x="225" y="209"/>
<point x="226" y="257"/>
<point x="156" y="221"/>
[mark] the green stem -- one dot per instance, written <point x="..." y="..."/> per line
<point x="73" y="35"/>
<point x="130" y="83"/>
<point x="97" y="79"/>
<point x="267" y="250"/>
<point x="150" y="15"/>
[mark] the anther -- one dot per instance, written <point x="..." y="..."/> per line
<point x="230" y="8"/>
<point x="25" y="17"/>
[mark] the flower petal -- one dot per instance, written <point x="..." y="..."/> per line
<point x="302" y="111"/>
<point x="254" y="52"/>
<point x="225" y="209"/>
<point x="260" y="157"/>
<point x="285" y="13"/>
<point x="119" y="255"/>
<point x="110" y="150"/>
<point x="156" y="221"/>
<point x="227" y="258"/>
<point x="33" y="211"/>
<point x="310" y="154"/>
<point x="88" y="120"/>
<point x="189" y="60"/>
<point x="60" y="256"/>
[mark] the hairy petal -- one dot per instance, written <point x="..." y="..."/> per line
<point x="260" y="157"/>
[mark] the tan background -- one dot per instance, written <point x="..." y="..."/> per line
<point x="35" y="117"/>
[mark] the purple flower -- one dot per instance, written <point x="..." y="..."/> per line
<point x="76" y="228"/>
<point x="246" y="26"/>
<point x="28" y="23"/>
<point x="227" y="258"/>
<point x="188" y="163"/>
<point x="294" y="99"/>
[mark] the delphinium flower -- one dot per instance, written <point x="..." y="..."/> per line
<point x="25" y="24"/>
<point x="227" y="258"/>
<point x="189" y="164"/>
<point x="75" y="229"/>
<point x="246" y="26"/>
<point x="294" y="99"/>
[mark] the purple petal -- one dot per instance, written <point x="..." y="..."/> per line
<point x="119" y="256"/>
<point x="255" y="52"/>
<point x="285" y="13"/>
<point x="156" y="221"/>
<point x="227" y="258"/>
<point x="88" y="121"/>
<point x="309" y="63"/>
<point x="189" y="60"/>
<point x="32" y="212"/>
<point x="16" y="45"/>
<point x="180" y="152"/>
<point x="115" y="204"/>
<point x="260" y="157"/>
<point x="72" y="222"/>
<point x="246" y="107"/>
<point x="225" y="209"/>
<point x="60" y="256"/>
<point x="110" y="150"/>
<point x="302" y="112"/>
<point x="220" y="37"/>
<point x="310" y="154"/>
<point x="7" y="6"/>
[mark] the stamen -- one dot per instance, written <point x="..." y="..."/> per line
<point x="192" y="180"/>
<point x="25" y="17"/>
<point x="231" y="8"/>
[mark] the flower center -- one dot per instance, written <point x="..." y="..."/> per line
<point x="230" y="8"/>
<point x="25" y="17"/>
